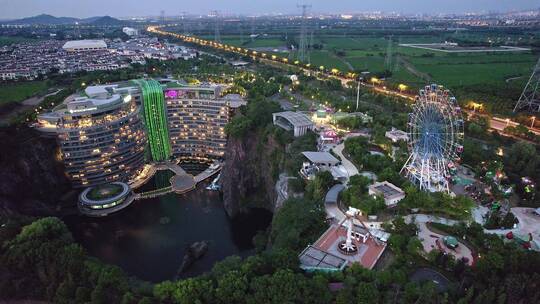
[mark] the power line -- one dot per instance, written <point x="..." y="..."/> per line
<point x="388" y="59"/>
<point x="183" y="16"/>
<point x="302" y="46"/>
<point x="217" y="35"/>
<point x="530" y="97"/>
<point x="162" y="16"/>
<point x="252" y="34"/>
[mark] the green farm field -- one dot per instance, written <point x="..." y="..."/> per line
<point x="412" y="66"/>
<point x="246" y="41"/>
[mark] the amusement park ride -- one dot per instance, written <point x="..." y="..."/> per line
<point x="435" y="130"/>
<point x="523" y="240"/>
<point x="347" y="246"/>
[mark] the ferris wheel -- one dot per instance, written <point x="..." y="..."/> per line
<point x="435" y="142"/>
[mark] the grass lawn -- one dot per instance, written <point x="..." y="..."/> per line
<point x="475" y="69"/>
<point x="466" y="69"/>
<point x="266" y="42"/>
<point x="369" y="63"/>
<point x="328" y="60"/>
<point x="19" y="91"/>
<point x="237" y="40"/>
<point x="402" y="75"/>
<point x="355" y="43"/>
<point x="474" y="74"/>
<point x="102" y="192"/>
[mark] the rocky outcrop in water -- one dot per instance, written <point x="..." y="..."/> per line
<point x="194" y="252"/>
<point x="32" y="181"/>
<point x="247" y="177"/>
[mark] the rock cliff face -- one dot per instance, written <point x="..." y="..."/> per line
<point x="248" y="177"/>
<point x="32" y="182"/>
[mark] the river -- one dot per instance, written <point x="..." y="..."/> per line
<point x="149" y="238"/>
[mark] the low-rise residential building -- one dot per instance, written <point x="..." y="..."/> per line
<point x="130" y="31"/>
<point x="322" y="161"/>
<point x="396" y="135"/>
<point x="28" y="60"/>
<point x="390" y="192"/>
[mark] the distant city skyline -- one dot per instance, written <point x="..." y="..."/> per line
<point x="12" y="9"/>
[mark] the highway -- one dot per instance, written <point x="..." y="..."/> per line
<point x="496" y="123"/>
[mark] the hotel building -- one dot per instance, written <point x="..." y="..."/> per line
<point x="100" y="134"/>
<point x="103" y="134"/>
<point x="197" y="117"/>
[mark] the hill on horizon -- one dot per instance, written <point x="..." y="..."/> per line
<point x="46" y="19"/>
<point x="105" y="20"/>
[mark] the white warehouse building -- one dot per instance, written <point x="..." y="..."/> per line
<point x="297" y="122"/>
<point x="84" y="45"/>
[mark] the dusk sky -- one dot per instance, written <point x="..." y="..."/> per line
<point x="123" y="8"/>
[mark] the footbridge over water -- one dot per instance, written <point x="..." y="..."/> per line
<point x="182" y="181"/>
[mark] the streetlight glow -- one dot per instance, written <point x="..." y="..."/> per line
<point x="402" y="87"/>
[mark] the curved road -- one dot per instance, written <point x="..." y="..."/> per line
<point x="349" y="166"/>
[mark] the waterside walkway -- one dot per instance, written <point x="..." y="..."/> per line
<point x="181" y="182"/>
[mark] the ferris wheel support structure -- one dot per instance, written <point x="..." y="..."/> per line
<point x="435" y="131"/>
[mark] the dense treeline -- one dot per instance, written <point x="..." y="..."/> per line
<point x="40" y="261"/>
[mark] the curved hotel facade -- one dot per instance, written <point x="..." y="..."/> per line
<point x="100" y="135"/>
<point x="104" y="133"/>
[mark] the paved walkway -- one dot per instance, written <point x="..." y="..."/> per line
<point x="424" y="218"/>
<point x="528" y="222"/>
<point x="181" y="182"/>
<point x="431" y="241"/>
<point x="206" y="174"/>
<point x="331" y="204"/>
<point x="349" y="166"/>
<point x="173" y="167"/>
<point x="148" y="171"/>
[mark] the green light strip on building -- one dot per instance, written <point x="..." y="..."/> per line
<point x="155" y="119"/>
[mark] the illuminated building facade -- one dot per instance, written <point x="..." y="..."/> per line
<point x="155" y="118"/>
<point x="101" y="136"/>
<point x="104" y="133"/>
<point x="197" y="116"/>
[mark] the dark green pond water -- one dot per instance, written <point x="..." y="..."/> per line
<point x="149" y="238"/>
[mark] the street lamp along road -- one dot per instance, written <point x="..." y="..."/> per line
<point x="402" y="87"/>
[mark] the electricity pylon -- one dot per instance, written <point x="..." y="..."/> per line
<point x="302" y="46"/>
<point x="530" y="97"/>
<point x="217" y="35"/>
